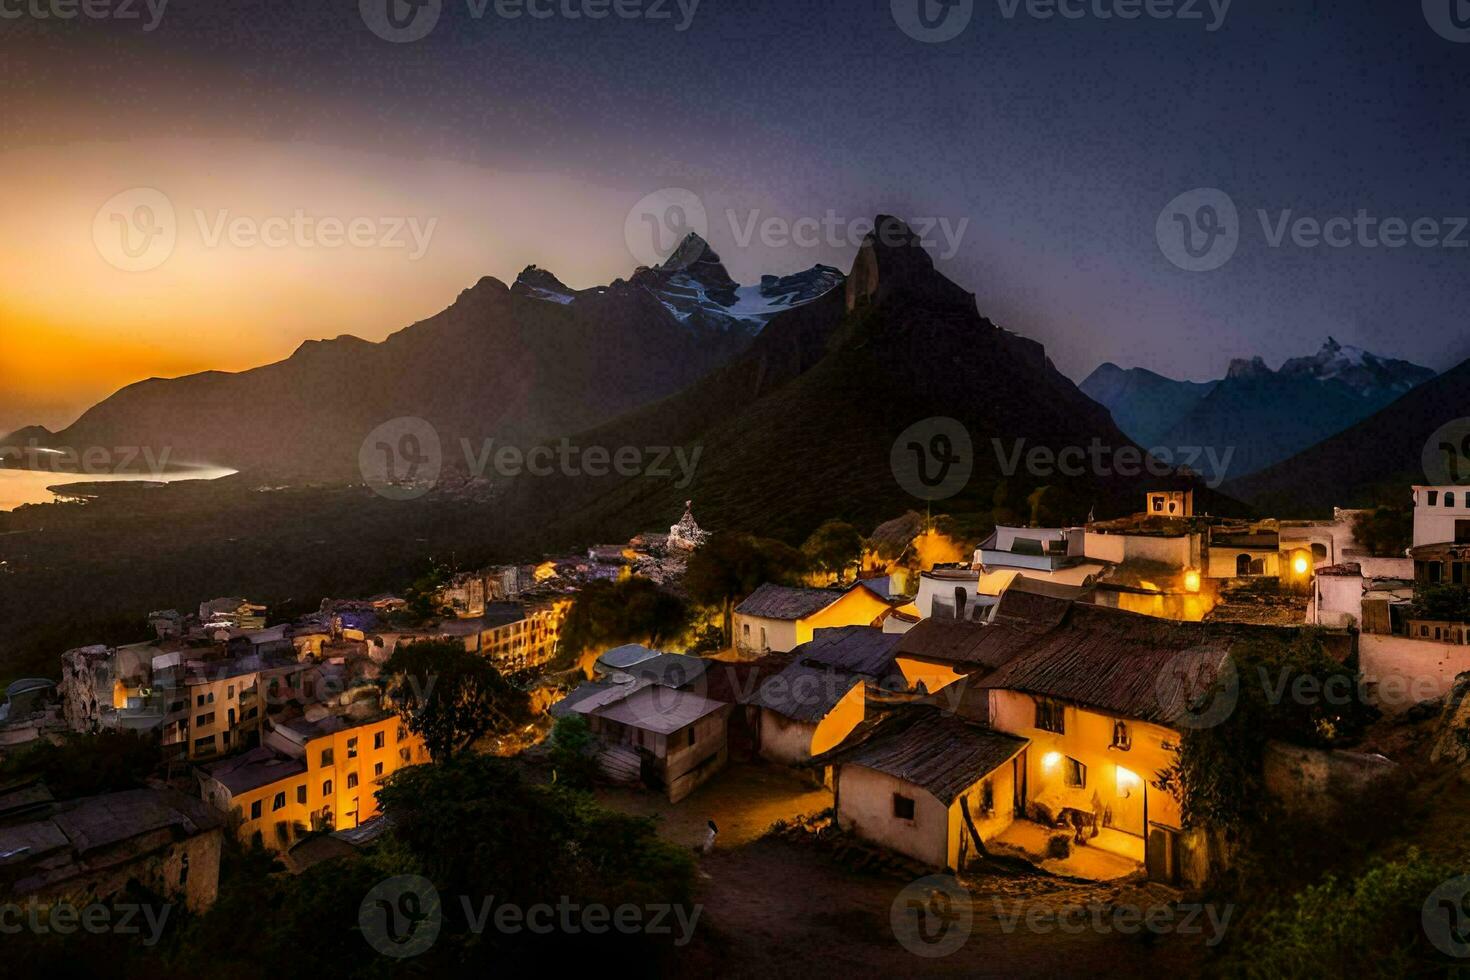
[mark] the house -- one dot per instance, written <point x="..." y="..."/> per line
<point x="929" y="784"/>
<point x="622" y="658"/>
<point x="93" y="849"/>
<point x="779" y="618"/>
<point x="311" y="775"/>
<point x="817" y="701"/>
<point x="512" y="635"/>
<point x="1247" y="553"/>
<point x="1441" y="515"/>
<point x="234" y="613"/>
<point x="1040" y="554"/>
<point x="654" y="723"/>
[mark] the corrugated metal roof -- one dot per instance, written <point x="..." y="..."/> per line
<point x="937" y="752"/>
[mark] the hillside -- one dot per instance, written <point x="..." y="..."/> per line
<point x="1371" y="462"/>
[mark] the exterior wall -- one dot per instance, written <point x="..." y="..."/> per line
<point x="942" y="587"/>
<point x="529" y="642"/>
<point x="780" y="634"/>
<point x="1087" y="738"/>
<point x="858" y="607"/>
<point x="1400" y="672"/>
<point x="1003" y="798"/>
<point x="864" y="799"/>
<point x="155" y="860"/>
<point x="213" y="717"/>
<point x="687" y="766"/>
<point x="1339" y="600"/>
<point x="1435" y="523"/>
<point x="934" y="676"/>
<point x="785" y="740"/>
<point x="348" y="805"/>
<point x="1189" y="607"/>
<point x="1180" y="552"/>
<point x="1222" y="563"/>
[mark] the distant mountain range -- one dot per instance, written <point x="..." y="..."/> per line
<point x="1258" y="415"/>
<point x="517" y="363"/>
<point x="1371" y="462"/>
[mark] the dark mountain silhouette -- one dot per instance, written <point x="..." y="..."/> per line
<point x="518" y="363"/>
<point x="799" y="428"/>
<point x="1374" y="461"/>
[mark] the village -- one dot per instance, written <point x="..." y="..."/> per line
<point x="1024" y="702"/>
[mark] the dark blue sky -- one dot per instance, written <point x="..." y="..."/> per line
<point x="1058" y="141"/>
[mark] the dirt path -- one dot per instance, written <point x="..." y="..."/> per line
<point x="774" y="908"/>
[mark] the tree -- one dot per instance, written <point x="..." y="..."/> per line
<point x="733" y="565"/>
<point x="450" y="697"/>
<point x="606" y="614"/>
<point x="834" y="547"/>
<point x="1442" y="603"/>
<point x="1385" y="531"/>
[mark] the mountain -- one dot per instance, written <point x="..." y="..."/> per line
<point x="517" y="363"/>
<point x="1262" y="416"/>
<point x="801" y="426"/>
<point x="1144" y="404"/>
<point x="1373" y="461"/>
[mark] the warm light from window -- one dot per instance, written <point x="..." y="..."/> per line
<point x="1128" y="781"/>
<point x="1051" y="760"/>
<point x="1300" y="565"/>
<point x="1191" y="581"/>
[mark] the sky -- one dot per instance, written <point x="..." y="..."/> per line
<point x="181" y="180"/>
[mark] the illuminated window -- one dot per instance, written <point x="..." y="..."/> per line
<point x="1121" y="739"/>
<point x="352" y="748"/>
<point x="327" y="788"/>
<point x="279" y="803"/>
<point x="1050" y="717"/>
<point x="1074" y="773"/>
<point x="351" y="780"/>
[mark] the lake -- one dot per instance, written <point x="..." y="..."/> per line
<point x="19" y="487"/>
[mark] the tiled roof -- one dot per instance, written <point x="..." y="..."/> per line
<point x="254" y="769"/>
<point x="935" y="751"/>
<point x="805" y="693"/>
<point x="772" y="601"/>
<point x="857" y="649"/>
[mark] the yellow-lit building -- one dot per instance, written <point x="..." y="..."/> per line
<point x="779" y="618"/>
<point x="311" y="775"/>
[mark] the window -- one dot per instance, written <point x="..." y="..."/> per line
<point x="255" y="810"/>
<point x="279" y="803"/>
<point x="199" y="701"/>
<point x="1050" y="717"/>
<point x="301" y="793"/>
<point x="352" y="748"/>
<point x="903" y="807"/>
<point x="379" y="738"/>
<point x="209" y="698"/>
<point x="377" y="769"/>
<point x="987" y="798"/>
<point x="1433" y="498"/>
<point x="326" y="757"/>
<point x="351" y="780"/>
<point x="1074" y="773"/>
<point x="1449" y="498"/>
<point x="745" y="631"/>
<point x="230" y="691"/>
<point x="327" y="788"/>
<point x="1121" y="739"/>
<point x="226" y="737"/>
<point x="1462" y="532"/>
<point x="205" y="719"/>
<point x="205" y="744"/>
